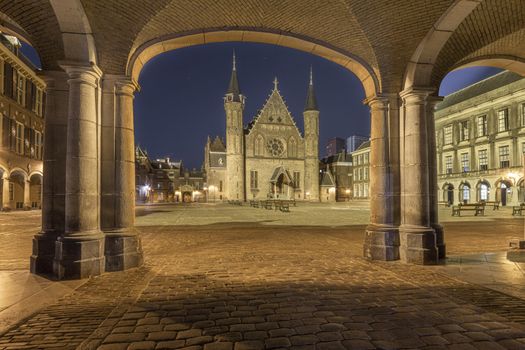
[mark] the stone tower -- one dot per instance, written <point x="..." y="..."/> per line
<point x="234" y="106"/>
<point x="311" y="144"/>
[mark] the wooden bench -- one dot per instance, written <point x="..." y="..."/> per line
<point x="518" y="209"/>
<point x="268" y="205"/>
<point x="494" y="204"/>
<point x="446" y="204"/>
<point x="477" y="208"/>
<point x="284" y="207"/>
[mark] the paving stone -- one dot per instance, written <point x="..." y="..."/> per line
<point x="280" y="342"/>
<point x="199" y="340"/>
<point x="189" y="333"/>
<point x="249" y="345"/>
<point x="143" y="345"/>
<point x="219" y="346"/>
<point x="304" y="339"/>
<point x="172" y="344"/>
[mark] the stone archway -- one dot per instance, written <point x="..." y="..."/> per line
<point x="35" y="190"/>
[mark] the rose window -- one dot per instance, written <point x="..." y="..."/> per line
<point x="275" y="147"/>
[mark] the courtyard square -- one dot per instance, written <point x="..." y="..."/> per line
<point x="218" y="276"/>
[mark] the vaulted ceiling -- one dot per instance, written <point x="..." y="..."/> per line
<point x="383" y="33"/>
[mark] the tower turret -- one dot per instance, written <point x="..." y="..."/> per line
<point x="311" y="142"/>
<point x="234" y="107"/>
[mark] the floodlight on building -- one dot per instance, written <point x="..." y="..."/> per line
<point x="347" y="191"/>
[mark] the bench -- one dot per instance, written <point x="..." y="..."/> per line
<point x="494" y="204"/>
<point x="446" y="204"/>
<point x="478" y="208"/>
<point x="284" y="207"/>
<point x="268" y="205"/>
<point x="518" y="209"/>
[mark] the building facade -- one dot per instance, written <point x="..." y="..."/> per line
<point x="21" y="128"/>
<point x="480" y="138"/>
<point x="340" y="167"/>
<point x="269" y="158"/>
<point x="353" y="142"/>
<point x="361" y="171"/>
<point x="334" y="146"/>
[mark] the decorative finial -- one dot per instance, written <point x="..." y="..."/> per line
<point x="311" y="76"/>
<point x="234" y="65"/>
<point x="275" y="83"/>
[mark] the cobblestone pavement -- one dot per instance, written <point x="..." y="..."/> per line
<point x="253" y="286"/>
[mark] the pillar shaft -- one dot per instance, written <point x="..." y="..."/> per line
<point x="417" y="237"/>
<point x="6" y="203"/>
<point x="123" y="247"/>
<point x="381" y="239"/>
<point x="80" y="250"/>
<point x="54" y="164"/>
<point x="27" y="194"/>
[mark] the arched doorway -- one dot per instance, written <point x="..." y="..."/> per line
<point x="35" y="190"/>
<point x="448" y="193"/>
<point x="483" y="191"/>
<point x="464" y="192"/>
<point x="503" y="191"/>
<point x="18" y="190"/>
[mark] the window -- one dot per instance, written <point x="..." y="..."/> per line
<point x="365" y="188"/>
<point x="483" y="159"/>
<point x="504" y="157"/>
<point x="482" y="126"/>
<point x="360" y="177"/>
<point x="465" y="163"/>
<point x="297" y="179"/>
<point x="464" y="191"/>
<point x="447" y="135"/>
<point x="366" y="158"/>
<point x="253" y="179"/>
<point x="38" y="102"/>
<point x="21" y="89"/>
<point x="483" y="192"/>
<point x="11" y="191"/>
<point x="1" y="76"/>
<point x="448" y="164"/>
<point x="38" y="145"/>
<point x="365" y="175"/>
<point x="503" y="120"/>
<point x="19" y="138"/>
<point x="523" y="114"/>
<point x="464" y="130"/>
<point x="220" y="186"/>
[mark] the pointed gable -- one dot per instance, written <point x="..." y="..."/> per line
<point x="274" y="112"/>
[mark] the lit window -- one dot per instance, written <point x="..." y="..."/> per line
<point x="504" y="161"/>
<point x="21" y="89"/>
<point x="465" y="192"/>
<point x="483" y="159"/>
<point x="366" y="160"/>
<point x="503" y="120"/>
<point x="482" y="125"/>
<point x="38" y="145"/>
<point x="365" y="174"/>
<point x="483" y="192"/>
<point x="464" y="130"/>
<point x="38" y="102"/>
<point x="297" y="179"/>
<point x="19" y="138"/>
<point x="253" y="179"/>
<point x="448" y="164"/>
<point x="447" y="135"/>
<point x="465" y="163"/>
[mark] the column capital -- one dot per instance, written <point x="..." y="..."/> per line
<point x="121" y="83"/>
<point x="416" y="94"/>
<point x="82" y="72"/>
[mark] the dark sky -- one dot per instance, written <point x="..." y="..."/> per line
<point x="180" y="102"/>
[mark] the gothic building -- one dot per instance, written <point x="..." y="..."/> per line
<point x="269" y="158"/>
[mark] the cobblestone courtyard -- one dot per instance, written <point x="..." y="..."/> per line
<point x="224" y="277"/>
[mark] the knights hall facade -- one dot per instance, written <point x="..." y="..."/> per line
<point x="268" y="158"/>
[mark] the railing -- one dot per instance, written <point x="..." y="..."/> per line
<point x="477" y="173"/>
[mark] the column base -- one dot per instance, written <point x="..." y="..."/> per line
<point x="77" y="258"/>
<point x="381" y="243"/>
<point x="123" y="250"/>
<point x="440" y="241"/>
<point x="41" y="260"/>
<point x="418" y="245"/>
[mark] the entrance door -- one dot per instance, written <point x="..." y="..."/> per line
<point x="186" y="197"/>
<point x="503" y="195"/>
<point x="450" y="195"/>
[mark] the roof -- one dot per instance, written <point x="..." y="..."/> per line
<point x="277" y="173"/>
<point x="364" y="145"/>
<point x="492" y="83"/>
<point x="217" y="145"/>
<point x="233" y="87"/>
<point x="311" y="100"/>
<point x="327" y="179"/>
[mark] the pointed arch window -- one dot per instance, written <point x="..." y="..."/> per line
<point x="259" y="146"/>
<point x="292" y="147"/>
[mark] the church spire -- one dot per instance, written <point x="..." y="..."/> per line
<point x="311" y="101"/>
<point x="234" y="88"/>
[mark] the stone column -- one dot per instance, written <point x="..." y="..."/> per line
<point x="27" y="194"/>
<point x="6" y="203"/>
<point x="54" y="179"/>
<point x="381" y="237"/>
<point x="433" y="178"/>
<point x="79" y="251"/>
<point x="123" y="246"/>
<point x="417" y="237"/>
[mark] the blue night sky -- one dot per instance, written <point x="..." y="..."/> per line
<point x="180" y="102"/>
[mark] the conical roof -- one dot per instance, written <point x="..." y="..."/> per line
<point x="233" y="87"/>
<point x="311" y="101"/>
